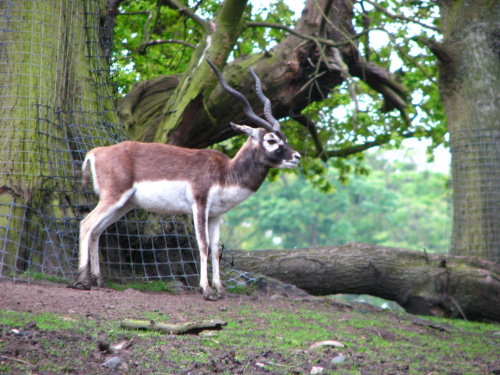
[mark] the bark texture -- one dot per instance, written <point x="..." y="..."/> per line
<point x="54" y="77"/>
<point x="427" y="284"/>
<point x="469" y="85"/>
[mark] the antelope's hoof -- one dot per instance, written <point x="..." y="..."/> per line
<point x="221" y="294"/>
<point x="97" y="281"/>
<point x="209" y="296"/>
<point x="80" y="285"/>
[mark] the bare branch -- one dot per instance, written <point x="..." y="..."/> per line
<point x="349" y="37"/>
<point x="306" y="85"/>
<point x="175" y="4"/>
<point x="436" y="48"/>
<point x="299" y="35"/>
<point x="143" y="47"/>
<point x="311" y="127"/>
<point x="322" y="25"/>
<point x="342" y="153"/>
<point x="399" y="17"/>
<point x="379" y="141"/>
<point x="411" y="59"/>
<point x="339" y="64"/>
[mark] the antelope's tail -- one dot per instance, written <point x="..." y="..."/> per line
<point x="89" y="160"/>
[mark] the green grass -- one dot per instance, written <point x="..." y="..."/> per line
<point x="38" y="276"/>
<point x="150" y="286"/>
<point x="377" y="338"/>
<point x="44" y="321"/>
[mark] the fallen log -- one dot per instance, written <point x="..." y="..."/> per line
<point x="177" y="329"/>
<point x="422" y="283"/>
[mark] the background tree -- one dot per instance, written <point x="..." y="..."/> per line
<point x="394" y="205"/>
<point x="469" y="82"/>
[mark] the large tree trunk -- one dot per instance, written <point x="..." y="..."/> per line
<point x="428" y="284"/>
<point x="469" y="84"/>
<point x="54" y="82"/>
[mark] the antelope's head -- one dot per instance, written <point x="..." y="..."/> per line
<point x="274" y="150"/>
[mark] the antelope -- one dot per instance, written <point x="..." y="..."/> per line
<point x="168" y="179"/>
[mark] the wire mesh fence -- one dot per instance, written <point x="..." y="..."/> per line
<point x="57" y="103"/>
<point x="476" y="197"/>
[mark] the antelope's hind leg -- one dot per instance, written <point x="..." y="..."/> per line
<point x="83" y="274"/>
<point x="104" y="221"/>
<point x="90" y="230"/>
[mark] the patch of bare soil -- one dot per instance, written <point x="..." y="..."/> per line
<point x="29" y="349"/>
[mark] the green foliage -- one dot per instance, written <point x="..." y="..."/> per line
<point x="395" y="205"/>
<point x="259" y="39"/>
<point x="140" y="22"/>
<point x="143" y="21"/>
<point x="352" y="115"/>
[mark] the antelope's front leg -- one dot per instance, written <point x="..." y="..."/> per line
<point x="201" y="227"/>
<point x="214" y="233"/>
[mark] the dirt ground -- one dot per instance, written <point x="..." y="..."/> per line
<point x="24" y="349"/>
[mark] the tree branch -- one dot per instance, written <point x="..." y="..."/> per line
<point x="143" y="47"/>
<point x="342" y="153"/>
<point x="436" y="48"/>
<point x="379" y="80"/>
<point x="325" y="155"/>
<point x="299" y="35"/>
<point x="311" y="126"/>
<point x="174" y="4"/>
<point x="177" y="329"/>
<point x="322" y="25"/>
<point x="398" y="17"/>
<point x="379" y="141"/>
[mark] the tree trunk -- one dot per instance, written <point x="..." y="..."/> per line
<point x="427" y="284"/>
<point x="188" y="99"/>
<point x="54" y="84"/>
<point x="469" y="85"/>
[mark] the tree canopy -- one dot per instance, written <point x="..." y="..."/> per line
<point x="158" y="38"/>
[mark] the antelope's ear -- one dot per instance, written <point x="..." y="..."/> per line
<point x="244" y="129"/>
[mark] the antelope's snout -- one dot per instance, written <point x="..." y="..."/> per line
<point x="291" y="162"/>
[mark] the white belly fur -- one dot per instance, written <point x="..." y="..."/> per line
<point x="164" y="197"/>
<point x="176" y="197"/>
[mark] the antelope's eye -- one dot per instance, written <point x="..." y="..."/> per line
<point x="272" y="141"/>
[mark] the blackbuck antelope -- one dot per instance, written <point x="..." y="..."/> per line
<point x="168" y="179"/>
